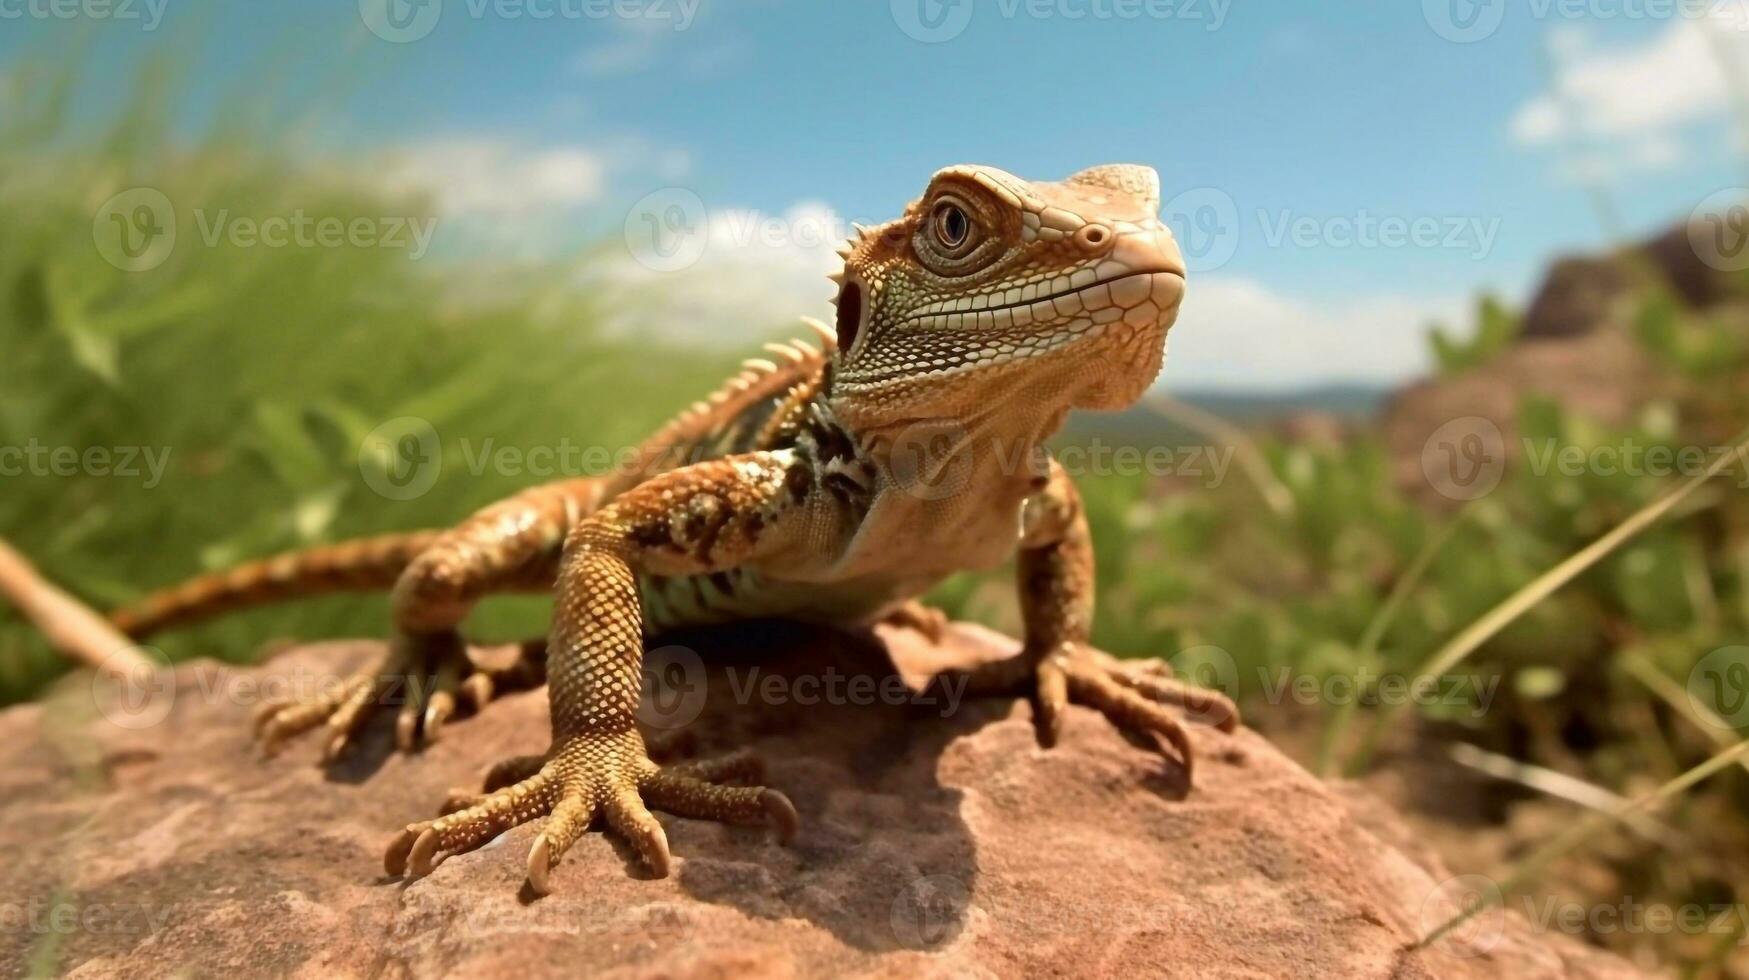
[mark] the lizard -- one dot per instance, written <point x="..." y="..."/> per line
<point x="836" y="481"/>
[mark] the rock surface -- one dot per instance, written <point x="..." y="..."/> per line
<point x="147" y="840"/>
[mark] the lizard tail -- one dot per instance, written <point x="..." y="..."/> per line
<point x="359" y="565"/>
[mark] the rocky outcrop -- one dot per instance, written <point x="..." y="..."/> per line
<point x="144" y="838"/>
<point x="1582" y="293"/>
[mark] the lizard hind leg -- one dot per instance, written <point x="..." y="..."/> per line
<point x="431" y="677"/>
<point x="512" y="545"/>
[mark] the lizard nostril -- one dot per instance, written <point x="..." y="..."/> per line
<point x="849" y="315"/>
<point x="1092" y="237"/>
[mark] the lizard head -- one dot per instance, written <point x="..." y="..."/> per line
<point x="993" y="295"/>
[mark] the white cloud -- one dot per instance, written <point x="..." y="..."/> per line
<point x="758" y="273"/>
<point x="1625" y="107"/>
<point x="483" y="177"/>
<point x="624" y="55"/>
<point x="1236" y="332"/>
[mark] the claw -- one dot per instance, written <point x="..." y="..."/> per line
<point x="538" y="866"/>
<point x="264" y="716"/>
<point x="395" y="858"/>
<point x="782" y="813"/>
<point x="440" y="709"/>
<point x="407" y="729"/>
<point x="477" y="690"/>
<point x="656" y="853"/>
<point x="420" y="860"/>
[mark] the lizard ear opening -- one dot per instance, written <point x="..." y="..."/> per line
<point x="849" y="314"/>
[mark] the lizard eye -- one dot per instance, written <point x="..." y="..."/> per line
<point x="952" y="226"/>
<point x="957" y="234"/>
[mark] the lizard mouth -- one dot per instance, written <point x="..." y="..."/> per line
<point x="1134" y="287"/>
<point x="1070" y="317"/>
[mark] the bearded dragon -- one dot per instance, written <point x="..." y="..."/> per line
<point x="832" y="483"/>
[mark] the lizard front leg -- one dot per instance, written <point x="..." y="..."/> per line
<point x="510" y="545"/>
<point x="697" y="520"/>
<point x="1057" y="667"/>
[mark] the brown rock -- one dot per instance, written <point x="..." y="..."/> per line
<point x="1582" y="294"/>
<point x="1604" y="376"/>
<point x="933" y="843"/>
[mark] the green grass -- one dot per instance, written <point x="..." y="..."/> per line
<point x="257" y="372"/>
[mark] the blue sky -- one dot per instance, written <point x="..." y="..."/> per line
<point x="1280" y="129"/>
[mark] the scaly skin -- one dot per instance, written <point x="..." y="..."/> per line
<point x="833" y="484"/>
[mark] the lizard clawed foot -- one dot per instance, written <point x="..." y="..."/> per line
<point x="430" y="676"/>
<point x="1132" y="694"/>
<point x="609" y="776"/>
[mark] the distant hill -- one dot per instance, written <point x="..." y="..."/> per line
<point x="1264" y="406"/>
<point x="1144" y="427"/>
